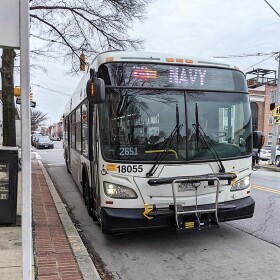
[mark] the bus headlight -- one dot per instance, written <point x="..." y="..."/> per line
<point x="241" y="184"/>
<point x="118" y="191"/>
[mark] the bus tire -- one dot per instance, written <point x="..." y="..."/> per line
<point x="103" y="230"/>
<point x="87" y="196"/>
<point x="67" y="164"/>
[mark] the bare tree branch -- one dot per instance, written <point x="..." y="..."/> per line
<point x="95" y="26"/>
<point x="60" y="34"/>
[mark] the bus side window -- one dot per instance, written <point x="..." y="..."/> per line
<point x="78" y="130"/>
<point x="85" y="130"/>
<point x="73" y="130"/>
<point x="66" y="130"/>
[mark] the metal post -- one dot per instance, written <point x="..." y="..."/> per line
<point x="27" y="246"/>
<point x="275" y="130"/>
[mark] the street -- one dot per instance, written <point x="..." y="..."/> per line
<point x="245" y="249"/>
<point x="266" y="220"/>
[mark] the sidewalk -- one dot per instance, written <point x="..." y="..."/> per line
<point x="266" y="165"/>
<point x="59" y="252"/>
<point x="10" y="245"/>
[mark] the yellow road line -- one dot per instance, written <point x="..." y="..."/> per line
<point x="260" y="188"/>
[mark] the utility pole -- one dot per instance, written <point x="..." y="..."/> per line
<point x="275" y="130"/>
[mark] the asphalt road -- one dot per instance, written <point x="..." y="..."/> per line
<point x="266" y="221"/>
<point x="237" y="250"/>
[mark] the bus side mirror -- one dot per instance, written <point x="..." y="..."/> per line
<point x="95" y="90"/>
<point x="258" y="139"/>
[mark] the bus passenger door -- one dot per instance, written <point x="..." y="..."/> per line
<point x="93" y="156"/>
<point x="67" y="141"/>
<point x="72" y="144"/>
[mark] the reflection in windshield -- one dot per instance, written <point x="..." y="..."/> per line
<point x="136" y="125"/>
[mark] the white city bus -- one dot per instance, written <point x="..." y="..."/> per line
<point x="157" y="140"/>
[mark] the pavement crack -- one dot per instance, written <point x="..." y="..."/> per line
<point x="269" y="213"/>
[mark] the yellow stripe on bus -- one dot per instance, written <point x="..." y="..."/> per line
<point x="260" y="188"/>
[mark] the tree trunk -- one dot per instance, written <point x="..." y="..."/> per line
<point x="7" y="75"/>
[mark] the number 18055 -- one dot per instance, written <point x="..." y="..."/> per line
<point x="130" y="168"/>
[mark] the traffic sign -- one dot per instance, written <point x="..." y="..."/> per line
<point x="32" y="103"/>
<point x="276" y="120"/>
<point x="276" y="111"/>
<point x="10" y="23"/>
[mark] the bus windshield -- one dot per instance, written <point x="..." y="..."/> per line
<point x="138" y="124"/>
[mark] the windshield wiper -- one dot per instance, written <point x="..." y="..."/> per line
<point x="200" y="134"/>
<point x="161" y="154"/>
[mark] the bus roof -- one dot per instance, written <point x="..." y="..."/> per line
<point x="153" y="57"/>
<point x="146" y="57"/>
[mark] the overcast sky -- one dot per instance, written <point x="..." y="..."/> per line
<point x="204" y="28"/>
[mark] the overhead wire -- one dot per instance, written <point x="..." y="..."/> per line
<point x="272" y="8"/>
<point x="271" y="54"/>
<point x="245" y="55"/>
<point x="259" y="62"/>
<point x="52" y="90"/>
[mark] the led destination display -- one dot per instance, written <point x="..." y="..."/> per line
<point x="177" y="76"/>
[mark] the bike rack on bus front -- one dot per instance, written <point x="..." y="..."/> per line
<point x="194" y="183"/>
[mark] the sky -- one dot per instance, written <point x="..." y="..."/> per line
<point x="205" y="28"/>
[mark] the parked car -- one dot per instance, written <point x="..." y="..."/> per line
<point x="44" y="143"/>
<point x="55" y="138"/>
<point x="34" y="137"/>
<point x="265" y="153"/>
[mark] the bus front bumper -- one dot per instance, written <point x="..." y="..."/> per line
<point x="115" y="220"/>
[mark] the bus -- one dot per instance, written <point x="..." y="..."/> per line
<point x="157" y="140"/>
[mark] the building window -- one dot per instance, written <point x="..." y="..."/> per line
<point x="255" y="114"/>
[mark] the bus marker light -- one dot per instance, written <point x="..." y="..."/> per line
<point x="111" y="167"/>
<point x="109" y="59"/>
<point x="109" y="202"/>
<point x="169" y="59"/>
<point x="179" y="60"/>
<point x="92" y="89"/>
<point x="189" y="60"/>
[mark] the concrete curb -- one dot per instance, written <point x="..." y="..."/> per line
<point x="82" y="257"/>
<point x="271" y="167"/>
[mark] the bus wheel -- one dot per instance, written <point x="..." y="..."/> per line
<point x="277" y="160"/>
<point x="103" y="230"/>
<point x="87" y="197"/>
<point x="67" y="165"/>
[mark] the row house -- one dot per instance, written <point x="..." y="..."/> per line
<point x="55" y="129"/>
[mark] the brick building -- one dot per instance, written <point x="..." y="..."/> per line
<point x="262" y="90"/>
<point x="1" y="123"/>
<point x="1" y="119"/>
